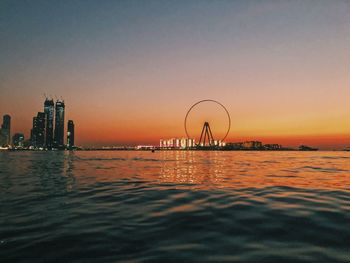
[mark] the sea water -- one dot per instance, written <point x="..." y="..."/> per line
<point x="174" y="206"/>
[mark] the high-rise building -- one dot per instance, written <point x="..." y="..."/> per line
<point x="70" y="135"/>
<point x="59" y="125"/>
<point x="2" y="138"/>
<point x="49" y="110"/>
<point x="5" y="133"/>
<point x="38" y="131"/>
<point x="33" y="133"/>
<point x="18" y="140"/>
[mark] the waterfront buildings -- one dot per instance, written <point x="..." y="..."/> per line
<point x="177" y="143"/>
<point x="273" y="147"/>
<point x="307" y="148"/>
<point x="59" y="125"/>
<point x="5" y="131"/>
<point x="49" y="115"/>
<point x="37" y="135"/>
<point x="48" y="127"/>
<point x="252" y="145"/>
<point x="47" y="130"/>
<point x="213" y="143"/>
<point x="143" y="147"/>
<point x="186" y="143"/>
<point x="18" y="140"/>
<point x="70" y="135"/>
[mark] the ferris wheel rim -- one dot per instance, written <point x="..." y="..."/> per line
<point x="208" y="100"/>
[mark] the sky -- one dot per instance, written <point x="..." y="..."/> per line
<point x="129" y="70"/>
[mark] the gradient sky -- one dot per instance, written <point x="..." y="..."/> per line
<point x="129" y="70"/>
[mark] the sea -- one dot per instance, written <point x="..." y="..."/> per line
<point x="174" y="206"/>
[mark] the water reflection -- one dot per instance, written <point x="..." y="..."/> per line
<point x="63" y="171"/>
<point x="191" y="167"/>
<point x="55" y="171"/>
<point x="255" y="169"/>
<point x="208" y="169"/>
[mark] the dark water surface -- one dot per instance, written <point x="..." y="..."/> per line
<point x="174" y="206"/>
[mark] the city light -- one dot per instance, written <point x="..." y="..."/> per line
<point x="47" y="131"/>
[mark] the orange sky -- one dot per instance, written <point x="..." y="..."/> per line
<point x="128" y="73"/>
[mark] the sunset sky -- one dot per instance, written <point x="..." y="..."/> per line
<point x="130" y="70"/>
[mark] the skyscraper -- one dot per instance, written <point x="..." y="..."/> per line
<point x="33" y="133"/>
<point x="38" y="131"/>
<point x="49" y="110"/>
<point x="5" y="133"/>
<point x="59" y="125"/>
<point x="70" y="135"/>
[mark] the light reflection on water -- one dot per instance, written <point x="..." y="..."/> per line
<point x="175" y="205"/>
<point x="324" y="170"/>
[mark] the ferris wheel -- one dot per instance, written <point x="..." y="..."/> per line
<point x="208" y="121"/>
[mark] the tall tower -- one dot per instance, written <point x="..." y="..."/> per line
<point x="33" y="133"/>
<point x="38" y="131"/>
<point x="59" y="125"/>
<point x="6" y="130"/>
<point x="70" y="135"/>
<point x="40" y="135"/>
<point x="49" y="110"/>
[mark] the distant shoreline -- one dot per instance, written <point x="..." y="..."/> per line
<point x="164" y="150"/>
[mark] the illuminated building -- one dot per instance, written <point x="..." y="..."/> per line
<point x="49" y="110"/>
<point x="18" y="140"/>
<point x="191" y="143"/>
<point x="184" y="143"/>
<point x="219" y="143"/>
<point x="177" y="143"/>
<point x="70" y="135"/>
<point x="32" y="133"/>
<point x="5" y="132"/>
<point x="59" y="125"/>
<point x="37" y="137"/>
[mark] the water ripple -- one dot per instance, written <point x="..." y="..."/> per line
<point x="174" y="206"/>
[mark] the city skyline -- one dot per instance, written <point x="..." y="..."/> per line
<point x="47" y="131"/>
<point x="130" y="70"/>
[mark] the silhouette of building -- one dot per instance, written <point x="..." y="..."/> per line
<point x="18" y="140"/>
<point x="37" y="135"/>
<point x="234" y="145"/>
<point x="5" y="132"/>
<point x="49" y="111"/>
<point x="272" y="146"/>
<point x="59" y="125"/>
<point x="70" y="135"/>
<point x="33" y="133"/>
<point x="252" y="145"/>
<point x="307" y="148"/>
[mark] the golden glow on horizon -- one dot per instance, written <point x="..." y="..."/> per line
<point x="281" y="69"/>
